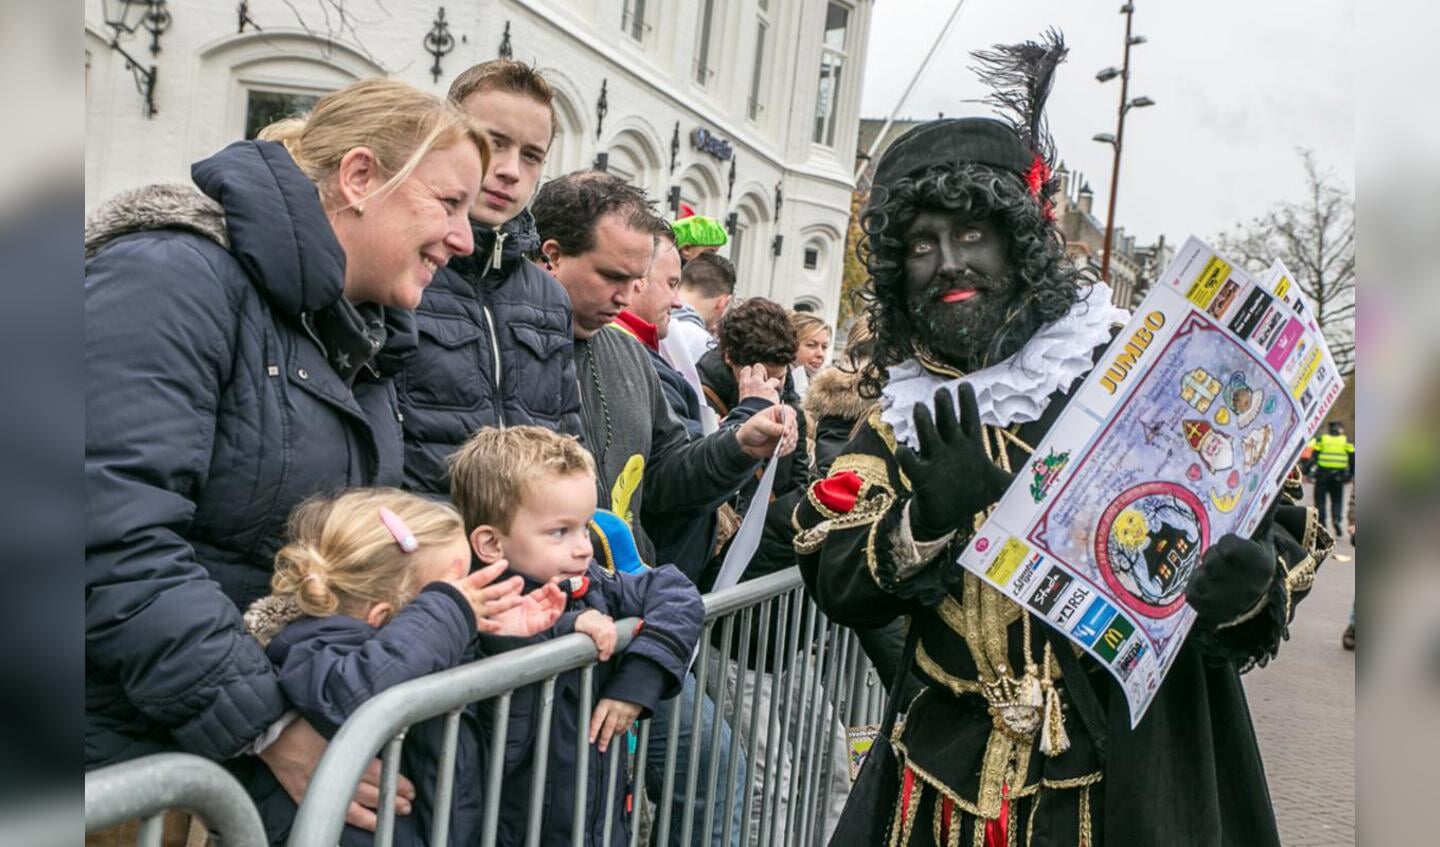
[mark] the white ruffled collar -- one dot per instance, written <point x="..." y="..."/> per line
<point x="1017" y="389"/>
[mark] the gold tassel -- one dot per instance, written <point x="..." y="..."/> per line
<point x="1054" y="740"/>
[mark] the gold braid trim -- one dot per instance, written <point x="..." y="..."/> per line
<point x="1302" y="576"/>
<point x="1085" y="840"/>
<point x="959" y="687"/>
<point x="867" y="511"/>
<point x="973" y="808"/>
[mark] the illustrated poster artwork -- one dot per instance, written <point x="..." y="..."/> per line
<point x="1183" y="432"/>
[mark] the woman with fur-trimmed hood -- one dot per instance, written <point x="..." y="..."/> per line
<point x="240" y="336"/>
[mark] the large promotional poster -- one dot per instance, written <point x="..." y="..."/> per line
<point x="1183" y="433"/>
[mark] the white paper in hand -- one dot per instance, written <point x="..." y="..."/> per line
<point x="747" y="537"/>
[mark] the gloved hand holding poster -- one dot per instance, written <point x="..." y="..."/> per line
<point x="1183" y="432"/>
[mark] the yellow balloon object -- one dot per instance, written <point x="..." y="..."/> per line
<point x="625" y="486"/>
<point x="1222" y="417"/>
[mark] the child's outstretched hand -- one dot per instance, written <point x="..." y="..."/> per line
<point x="489" y="601"/>
<point x="610" y="719"/>
<point x="601" y="629"/>
<point x="535" y="613"/>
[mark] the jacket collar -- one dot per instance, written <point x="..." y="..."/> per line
<point x="639" y="329"/>
<point x="277" y="228"/>
<point x="517" y="238"/>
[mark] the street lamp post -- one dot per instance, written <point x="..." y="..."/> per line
<point x="1118" y="139"/>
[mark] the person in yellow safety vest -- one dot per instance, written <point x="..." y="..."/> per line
<point x="1331" y="466"/>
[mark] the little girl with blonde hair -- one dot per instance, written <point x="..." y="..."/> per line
<point x="373" y="589"/>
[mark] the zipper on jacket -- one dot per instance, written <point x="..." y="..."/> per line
<point x="495" y="349"/>
<point x="491" y="264"/>
<point x="497" y="255"/>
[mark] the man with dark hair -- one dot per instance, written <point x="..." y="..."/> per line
<point x="706" y="285"/>
<point x="598" y="237"/>
<point x="494" y="329"/>
<point x="982" y="328"/>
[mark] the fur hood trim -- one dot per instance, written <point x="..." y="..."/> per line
<point x="836" y="393"/>
<point x="151" y="207"/>
<point x="269" y="615"/>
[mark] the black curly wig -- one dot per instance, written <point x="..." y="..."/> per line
<point x="1047" y="283"/>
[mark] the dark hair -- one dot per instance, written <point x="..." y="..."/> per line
<point x="757" y="332"/>
<point x="1045" y="277"/>
<point x="566" y="209"/>
<point x="663" y="231"/>
<point x="709" y="273"/>
<point x="507" y="75"/>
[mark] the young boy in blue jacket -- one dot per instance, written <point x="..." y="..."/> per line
<point x="528" y="496"/>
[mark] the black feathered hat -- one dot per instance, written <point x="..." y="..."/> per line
<point x="1018" y="142"/>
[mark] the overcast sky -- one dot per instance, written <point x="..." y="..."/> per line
<point x="1238" y="87"/>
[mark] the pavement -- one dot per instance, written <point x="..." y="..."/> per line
<point x="1303" y="705"/>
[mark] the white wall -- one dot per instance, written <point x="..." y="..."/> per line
<point x="205" y="68"/>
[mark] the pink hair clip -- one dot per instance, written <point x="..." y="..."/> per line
<point x="402" y="534"/>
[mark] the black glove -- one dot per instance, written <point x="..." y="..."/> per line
<point x="1234" y="574"/>
<point x="951" y="478"/>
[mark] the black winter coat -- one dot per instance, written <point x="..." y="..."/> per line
<point x="687" y="539"/>
<point x="650" y="670"/>
<point x="495" y="349"/>
<point x="329" y="667"/>
<point x="212" y="410"/>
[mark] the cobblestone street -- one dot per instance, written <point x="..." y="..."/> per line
<point x="1304" y="710"/>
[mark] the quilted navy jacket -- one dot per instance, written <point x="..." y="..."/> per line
<point x="213" y="408"/>
<point x="495" y="349"/>
<point x="650" y="670"/>
<point x="329" y="667"/>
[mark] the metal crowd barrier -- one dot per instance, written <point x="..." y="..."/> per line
<point x="144" y="789"/>
<point x="811" y="678"/>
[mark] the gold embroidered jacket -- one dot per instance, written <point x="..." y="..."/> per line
<point x="1189" y="774"/>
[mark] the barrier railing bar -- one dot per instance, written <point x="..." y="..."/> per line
<point x="692" y="767"/>
<point x="811" y="719"/>
<point x="789" y="693"/>
<point x="757" y="673"/>
<point x="494" y="781"/>
<point x="773" y="753"/>
<point x="826" y="770"/>
<point x="667" y="787"/>
<point x="637" y="795"/>
<point x="732" y="775"/>
<point x="389" y="785"/>
<point x="541" y="762"/>
<point x="445" y="781"/>
<point x="582" y="757"/>
<point x="321" y="817"/>
<point x="722" y="661"/>
<point x="146" y="787"/>
<point x="617" y="743"/>
<point x="151" y="830"/>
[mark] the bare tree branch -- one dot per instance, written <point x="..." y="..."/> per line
<point x="1315" y="238"/>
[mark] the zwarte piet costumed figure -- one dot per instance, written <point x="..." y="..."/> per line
<point x="982" y="328"/>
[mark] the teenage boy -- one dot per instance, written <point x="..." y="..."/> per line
<point x="494" y="329"/>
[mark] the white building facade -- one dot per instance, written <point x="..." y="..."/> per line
<point x="744" y="110"/>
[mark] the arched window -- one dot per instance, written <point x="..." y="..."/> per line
<point x="749" y="245"/>
<point x="247" y="81"/>
<point x="700" y="188"/>
<point x="634" y="156"/>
